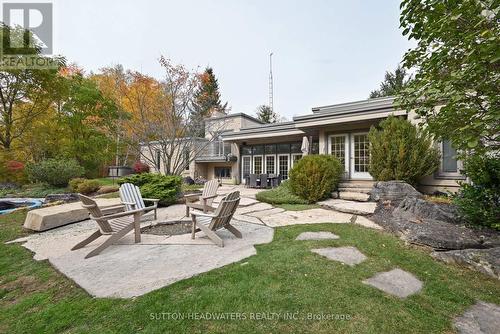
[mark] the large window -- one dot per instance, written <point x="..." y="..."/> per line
<point x="257" y="164"/>
<point x="270" y="164"/>
<point x="449" y="160"/>
<point x="222" y="172"/>
<point x="296" y="157"/>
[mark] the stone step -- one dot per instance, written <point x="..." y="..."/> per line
<point x="356" y="184"/>
<point x="355" y="190"/>
<point x="352" y="196"/>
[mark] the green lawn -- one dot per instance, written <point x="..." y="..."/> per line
<point x="284" y="277"/>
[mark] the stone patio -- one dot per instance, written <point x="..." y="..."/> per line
<point x="481" y="318"/>
<point x="127" y="269"/>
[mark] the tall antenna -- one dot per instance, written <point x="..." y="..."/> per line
<point x="271" y="81"/>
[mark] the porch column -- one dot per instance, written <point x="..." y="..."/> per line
<point x="322" y="142"/>
<point x="235" y="168"/>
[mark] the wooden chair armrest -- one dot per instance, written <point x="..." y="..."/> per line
<point x="113" y="209"/>
<point x="208" y="197"/>
<point x="118" y="215"/>
<point x="155" y="200"/>
<point x="200" y="213"/>
<point x="192" y="195"/>
<point x="128" y="203"/>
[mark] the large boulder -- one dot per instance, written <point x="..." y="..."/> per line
<point x="417" y="208"/>
<point x="486" y="261"/>
<point x="393" y="191"/>
<point x="435" y="225"/>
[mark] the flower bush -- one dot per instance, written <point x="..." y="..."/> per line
<point x="140" y="167"/>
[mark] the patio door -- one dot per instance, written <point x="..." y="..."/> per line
<point x="360" y="156"/>
<point x="246" y="166"/>
<point x="270" y="164"/>
<point x="258" y="164"/>
<point x="338" y="146"/>
<point x="283" y="165"/>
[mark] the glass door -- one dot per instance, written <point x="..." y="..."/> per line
<point x="246" y="166"/>
<point x="283" y="165"/>
<point x="338" y="146"/>
<point x="258" y="165"/>
<point x="360" y="156"/>
<point x="270" y="164"/>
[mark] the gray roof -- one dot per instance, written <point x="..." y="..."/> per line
<point x="265" y="128"/>
<point x="377" y="104"/>
<point x="240" y="114"/>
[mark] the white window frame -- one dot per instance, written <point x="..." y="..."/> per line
<point x="347" y="156"/>
<point x="253" y="163"/>
<point x="354" y="174"/>
<point x="292" y="162"/>
<point x="444" y="175"/>
<point x="288" y="164"/>
<point x="265" y="163"/>
<point x="242" y="165"/>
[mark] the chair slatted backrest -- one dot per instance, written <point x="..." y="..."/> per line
<point x="95" y="213"/>
<point x="225" y="211"/>
<point x="210" y="189"/>
<point x="263" y="180"/>
<point x="130" y="193"/>
<point x="253" y="180"/>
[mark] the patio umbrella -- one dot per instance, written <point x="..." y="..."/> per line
<point x="305" y="146"/>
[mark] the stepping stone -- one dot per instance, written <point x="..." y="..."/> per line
<point x="253" y="208"/>
<point x="479" y="318"/>
<point x="348" y="255"/>
<point x="317" y="236"/>
<point x="312" y="216"/>
<point x="357" y="208"/>
<point x="396" y="282"/>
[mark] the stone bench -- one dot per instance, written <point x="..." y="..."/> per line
<point x="59" y="215"/>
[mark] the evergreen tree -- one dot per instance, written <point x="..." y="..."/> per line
<point x="266" y="115"/>
<point x="207" y="101"/>
<point x="393" y="83"/>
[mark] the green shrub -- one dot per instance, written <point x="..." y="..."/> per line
<point x="479" y="202"/>
<point x="140" y="179"/>
<point x="314" y="176"/>
<point x="84" y="186"/>
<point x="56" y="172"/>
<point x="280" y="195"/>
<point x="75" y="183"/>
<point x="401" y="151"/>
<point x="89" y="187"/>
<point x="164" y="187"/>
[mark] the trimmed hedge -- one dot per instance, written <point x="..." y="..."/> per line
<point x="280" y="195"/>
<point x="84" y="186"/>
<point x="164" y="187"/>
<point x="56" y="172"/>
<point x="314" y="177"/>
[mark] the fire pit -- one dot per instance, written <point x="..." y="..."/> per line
<point x="175" y="227"/>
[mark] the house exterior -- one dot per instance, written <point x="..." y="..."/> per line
<point x="247" y="146"/>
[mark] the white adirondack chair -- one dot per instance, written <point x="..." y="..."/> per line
<point x="221" y="218"/>
<point x="205" y="198"/>
<point x="115" y="225"/>
<point x="131" y="197"/>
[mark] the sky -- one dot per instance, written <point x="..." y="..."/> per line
<point x="325" y="51"/>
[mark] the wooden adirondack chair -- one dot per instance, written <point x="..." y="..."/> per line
<point x="221" y="218"/>
<point x="115" y="225"/>
<point x="131" y="197"/>
<point x="205" y="198"/>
